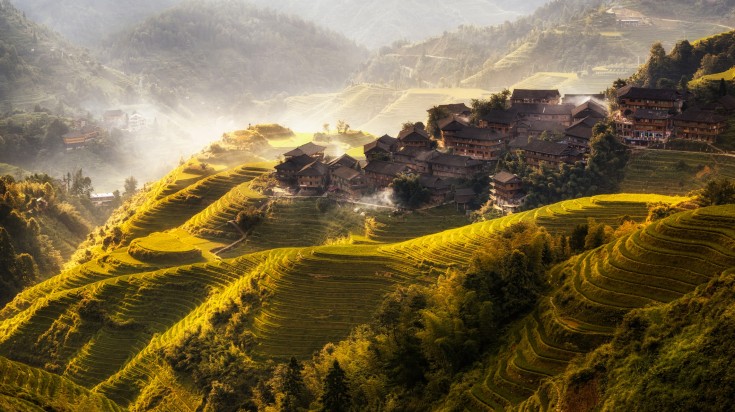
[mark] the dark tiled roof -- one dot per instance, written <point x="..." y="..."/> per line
<point x="699" y="116"/>
<point x="316" y="168"/>
<point x="387" y="140"/>
<point x="385" y="168"/>
<point x="543" y="125"/>
<point x="376" y="146"/>
<point x="455" y="108"/>
<point x="433" y="182"/>
<point x="590" y="106"/>
<point x="579" y="130"/>
<point x="454" y="160"/>
<point x="521" y="94"/>
<point x="540" y="108"/>
<point x="295" y="163"/>
<point x="308" y="149"/>
<point x="413" y="134"/>
<point x="411" y="152"/>
<point x="344" y="160"/>
<point x="346" y="173"/>
<point x="587" y="121"/>
<point x="475" y="133"/>
<point x="464" y="195"/>
<point x="642" y="93"/>
<point x="501" y="116"/>
<point x="550" y="148"/>
<point x="505" y="177"/>
<point x="651" y="114"/>
<point x="451" y="124"/>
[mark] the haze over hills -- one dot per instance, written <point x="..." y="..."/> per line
<point x="88" y="22"/>
<point x="376" y="23"/>
<point x="40" y="67"/>
<point x="224" y="52"/>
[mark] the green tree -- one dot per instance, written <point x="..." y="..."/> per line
<point x="716" y="192"/>
<point x="294" y="388"/>
<point x="408" y="192"/>
<point x="131" y="185"/>
<point x="336" y="396"/>
<point x="80" y="185"/>
<point x="436" y="113"/>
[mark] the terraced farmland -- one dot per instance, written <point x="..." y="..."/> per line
<point x="657" y="264"/>
<point x="102" y="324"/>
<point x="674" y="173"/>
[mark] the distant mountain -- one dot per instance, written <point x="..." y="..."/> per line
<point x="224" y="52"/>
<point x="577" y="37"/>
<point x="87" y="22"/>
<point x="376" y="23"/>
<point x="38" y="67"/>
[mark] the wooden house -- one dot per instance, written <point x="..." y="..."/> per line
<point x="590" y="108"/>
<point x="560" y="113"/>
<point x="501" y="121"/>
<point x="439" y="188"/>
<point x="699" y="125"/>
<point x="535" y="128"/>
<point x="286" y="170"/>
<point x="310" y="149"/>
<point x="455" y="166"/>
<point x="77" y="139"/>
<point x="649" y="126"/>
<point x="380" y="174"/>
<point x="538" y="152"/>
<point x="466" y="140"/>
<point x="630" y="99"/>
<point x="579" y="134"/>
<point x="349" y="181"/>
<point x="313" y="177"/>
<point x="535" y="96"/>
<point x="506" y="191"/>
<point x="381" y="149"/>
<point x="414" y="136"/>
<point x="344" y="160"/>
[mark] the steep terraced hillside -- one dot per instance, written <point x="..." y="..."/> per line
<point x="105" y="324"/>
<point x="654" y="265"/>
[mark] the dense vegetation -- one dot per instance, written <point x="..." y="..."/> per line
<point x="41" y="224"/>
<point x="226" y="52"/>
<point x="687" y="62"/>
<point x="602" y="173"/>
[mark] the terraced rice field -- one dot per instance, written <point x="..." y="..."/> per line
<point x="176" y="208"/>
<point x="101" y="325"/>
<point x="657" y="264"/>
<point x="673" y="172"/>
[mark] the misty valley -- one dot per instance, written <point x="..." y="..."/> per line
<point x="247" y="205"/>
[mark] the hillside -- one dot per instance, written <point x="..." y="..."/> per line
<point x="88" y="22"/>
<point x="566" y="36"/>
<point x="91" y="325"/>
<point x="218" y="53"/>
<point x="38" y="67"/>
<point x="375" y="23"/>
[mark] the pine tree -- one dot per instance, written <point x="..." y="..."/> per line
<point x="293" y="386"/>
<point x="336" y="397"/>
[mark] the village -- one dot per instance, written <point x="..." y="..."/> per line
<point x="543" y="126"/>
<point x="84" y="131"/>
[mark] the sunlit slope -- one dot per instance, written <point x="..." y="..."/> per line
<point x="102" y="324"/>
<point x="674" y="172"/>
<point x="657" y="264"/>
<point x="23" y="388"/>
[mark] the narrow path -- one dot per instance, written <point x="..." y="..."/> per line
<point x="235" y="243"/>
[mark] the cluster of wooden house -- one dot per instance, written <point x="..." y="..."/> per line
<point x="545" y="127"/>
<point x="649" y="116"/>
